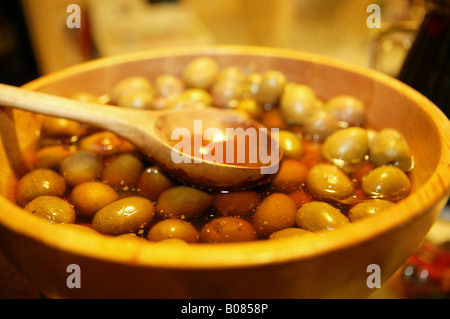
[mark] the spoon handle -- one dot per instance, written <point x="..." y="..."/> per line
<point x="37" y="102"/>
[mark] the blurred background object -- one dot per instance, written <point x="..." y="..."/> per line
<point x="333" y="28"/>
<point x="391" y="43"/>
<point x="120" y="26"/>
<point x="426" y="273"/>
<point x="427" y="66"/>
<point x="56" y="46"/>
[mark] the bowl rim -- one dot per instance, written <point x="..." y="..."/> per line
<point x="247" y="254"/>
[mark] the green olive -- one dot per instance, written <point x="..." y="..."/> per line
<point x="347" y="109"/>
<point x="51" y="156"/>
<point x="138" y="99"/>
<point x="275" y="212"/>
<point x="123" y="171"/>
<point x="178" y="102"/>
<point x="319" y="125"/>
<point x="328" y="182"/>
<point x="190" y="98"/>
<point x="346" y="146"/>
<point x="52" y="208"/>
<point x="252" y="83"/>
<point x="290" y="144"/>
<point x="153" y="182"/>
<point x="271" y="87"/>
<point x="183" y="202"/>
<point x="126" y="215"/>
<point x="368" y="208"/>
<point x="167" y="85"/>
<point x="128" y="84"/>
<point x="80" y="167"/>
<point x="201" y="72"/>
<point x="386" y="182"/>
<point x="389" y="147"/>
<point x="297" y="102"/>
<point x="173" y="228"/>
<point x="227" y="229"/>
<point x="317" y="216"/>
<point x="232" y="73"/>
<point x="89" y="197"/>
<point x="197" y="95"/>
<point x="237" y="203"/>
<point x="289" y="232"/>
<point x="226" y="92"/>
<point x="39" y="182"/>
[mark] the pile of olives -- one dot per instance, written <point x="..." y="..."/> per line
<point x="335" y="170"/>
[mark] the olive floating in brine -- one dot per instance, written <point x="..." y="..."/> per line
<point x="317" y="216"/>
<point x="386" y="182"/>
<point x="52" y="208"/>
<point x="328" y="182"/>
<point x="39" y="182"/>
<point x="228" y="229"/>
<point x="389" y="147"/>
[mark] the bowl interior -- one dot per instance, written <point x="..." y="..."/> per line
<point x="389" y="104"/>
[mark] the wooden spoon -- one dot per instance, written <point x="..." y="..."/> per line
<point x="151" y="130"/>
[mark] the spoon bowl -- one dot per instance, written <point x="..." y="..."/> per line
<point x="153" y="132"/>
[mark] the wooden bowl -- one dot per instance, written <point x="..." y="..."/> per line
<point x="345" y="263"/>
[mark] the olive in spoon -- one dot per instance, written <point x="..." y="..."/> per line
<point x="153" y="131"/>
